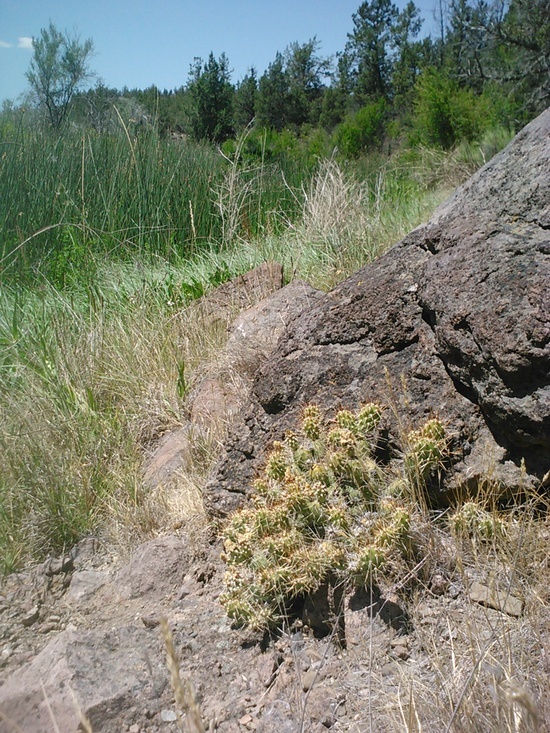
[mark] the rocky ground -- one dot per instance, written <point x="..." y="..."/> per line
<point x="83" y="633"/>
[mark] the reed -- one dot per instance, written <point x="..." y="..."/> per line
<point x="123" y="194"/>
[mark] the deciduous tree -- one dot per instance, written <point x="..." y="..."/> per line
<point x="58" y="69"/>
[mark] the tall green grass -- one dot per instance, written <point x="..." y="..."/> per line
<point x="89" y="380"/>
<point x="122" y="194"/>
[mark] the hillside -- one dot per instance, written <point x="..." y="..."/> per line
<point x="450" y="630"/>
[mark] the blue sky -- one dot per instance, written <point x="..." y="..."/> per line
<point x="146" y="42"/>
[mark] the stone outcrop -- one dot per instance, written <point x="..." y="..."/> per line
<point x="242" y="292"/>
<point x="91" y="673"/>
<point x="452" y="321"/>
<point x="253" y="336"/>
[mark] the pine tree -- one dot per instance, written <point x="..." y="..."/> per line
<point x="210" y="99"/>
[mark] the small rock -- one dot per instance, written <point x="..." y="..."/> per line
<point x="168" y="716"/>
<point x="151" y="622"/>
<point x="30" y="617"/>
<point x="245" y="720"/>
<point x="134" y="728"/>
<point x="188" y="588"/>
<point x="439" y="585"/>
<point x="495" y="598"/>
<point x="48" y="627"/>
<point x="390" y="669"/>
<point x="58" y="565"/>
<point x="400" y="641"/>
<point x="84" y="585"/>
<point x="311" y="677"/>
<point x="401" y="652"/>
<point x="84" y="551"/>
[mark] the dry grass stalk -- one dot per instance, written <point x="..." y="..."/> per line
<point x="184" y="693"/>
<point x="234" y="194"/>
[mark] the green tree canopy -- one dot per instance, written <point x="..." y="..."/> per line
<point x="305" y="71"/>
<point x="246" y="94"/>
<point x="291" y="90"/>
<point x="210" y="99"/>
<point x="369" y="45"/>
<point x="273" y="95"/>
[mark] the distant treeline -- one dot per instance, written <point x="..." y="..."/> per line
<point x="97" y="172"/>
<point x="488" y="64"/>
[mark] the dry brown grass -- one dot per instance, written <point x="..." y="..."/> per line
<point x="187" y="706"/>
<point x="475" y="668"/>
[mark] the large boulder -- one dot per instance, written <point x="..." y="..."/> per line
<point x="452" y="321"/>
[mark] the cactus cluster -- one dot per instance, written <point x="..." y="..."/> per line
<point x="426" y="451"/>
<point x="475" y="521"/>
<point x="319" y="510"/>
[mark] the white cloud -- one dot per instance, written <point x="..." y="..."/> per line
<point x="22" y="42"/>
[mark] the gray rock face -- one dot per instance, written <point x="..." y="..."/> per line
<point x="453" y="321"/>
<point x="256" y="331"/>
<point x="156" y="568"/>
<point x="97" y="674"/>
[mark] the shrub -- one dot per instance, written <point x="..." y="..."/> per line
<point x="446" y="113"/>
<point x="362" y="130"/>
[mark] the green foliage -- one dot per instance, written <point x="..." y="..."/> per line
<point x="305" y="70"/>
<point x="125" y="192"/>
<point x="410" y="54"/>
<point x="74" y="257"/>
<point x="245" y="100"/>
<point x="90" y="193"/>
<point x="210" y="96"/>
<point x="90" y="376"/>
<point x="273" y="96"/>
<point x="369" y="45"/>
<point x="291" y="89"/>
<point x="338" y="96"/>
<point x="319" y="510"/>
<point x="59" y="67"/>
<point x="446" y="113"/>
<point x="503" y="44"/>
<point x="362" y="130"/>
<point x="473" y="520"/>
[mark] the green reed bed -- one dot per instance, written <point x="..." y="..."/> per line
<point x="67" y="197"/>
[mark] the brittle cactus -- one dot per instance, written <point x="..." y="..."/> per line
<point x="317" y="512"/>
<point x="311" y="422"/>
<point x="426" y="452"/>
<point x="473" y="520"/>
